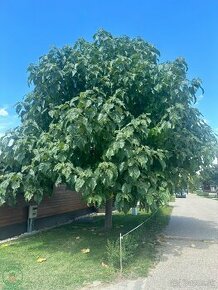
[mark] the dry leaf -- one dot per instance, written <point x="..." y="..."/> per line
<point x="12" y="278"/>
<point x="96" y="283"/>
<point x="41" y="260"/>
<point x="104" y="265"/>
<point x="85" y="251"/>
<point x="4" y="245"/>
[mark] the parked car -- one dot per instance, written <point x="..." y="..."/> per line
<point x="181" y="193"/>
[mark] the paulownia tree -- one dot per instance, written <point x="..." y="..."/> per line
<point x="109" y="120"/>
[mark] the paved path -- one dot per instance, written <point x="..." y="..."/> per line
<point x="190" y="254"/>
<point x="189" y="258"/>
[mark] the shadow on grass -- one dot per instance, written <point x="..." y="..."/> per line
<point x="62" y="249"/>
<point x="66" y="242"/>
<point x="71" y="238"/>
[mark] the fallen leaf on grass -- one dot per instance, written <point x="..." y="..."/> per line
<point x="11" y="278"/>
<point x="161" y="238"/>
<point x="104" y="265"/>
<point x="149" y="243"/>
<point x="85" y="251"/>
<point x="4" y="245"/>
<point x="41" y="260"/>
<point x="96" y="283"/>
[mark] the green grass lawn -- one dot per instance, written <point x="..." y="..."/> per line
<point x="207" y="195"/>
<point x="66" y="267"/>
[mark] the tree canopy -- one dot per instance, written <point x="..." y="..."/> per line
<point x="209" y="176"/>
<point x="108" y="119"/>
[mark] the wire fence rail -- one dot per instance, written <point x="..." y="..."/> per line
<point x="129" y="232"/>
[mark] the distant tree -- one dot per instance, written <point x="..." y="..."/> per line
<point x="106" y="118"/>
<point x="209" y="176"/>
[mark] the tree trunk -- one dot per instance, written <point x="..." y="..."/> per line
<point x="108" y="213"/>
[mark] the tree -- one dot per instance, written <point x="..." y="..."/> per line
<point x="109" y="120"/>
<point x="209" y="176"/>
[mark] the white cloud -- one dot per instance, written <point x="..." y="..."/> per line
<point x="3" y="112"/>
<point x="9" y="122"/>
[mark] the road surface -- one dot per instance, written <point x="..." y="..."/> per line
<point x="189" y="254"/>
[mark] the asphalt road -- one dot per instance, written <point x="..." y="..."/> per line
<point x="189" y="251"/>
<point x="194" y="218"/>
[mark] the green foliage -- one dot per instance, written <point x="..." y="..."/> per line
<point x="129" y="247"/>
<point x="106" y="117"/>
<point x="209" y="176"/>
<point x="113" y="253"/>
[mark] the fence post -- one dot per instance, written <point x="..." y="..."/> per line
<point x="122" y="236"/>
<point x="121" y="258"/>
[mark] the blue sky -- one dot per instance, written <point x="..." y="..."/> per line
<point x="29" y="28"/>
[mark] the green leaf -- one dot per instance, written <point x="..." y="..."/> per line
<point x="149" y="199"/>
<point x="92" y="184"/>
<point x="79" y="184"/>
<point x="126" y="188"/>
<point x="134" y="172"/>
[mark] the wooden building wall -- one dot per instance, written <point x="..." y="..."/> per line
<point x="63" y="201"/>
<point x="13" y="215"/>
